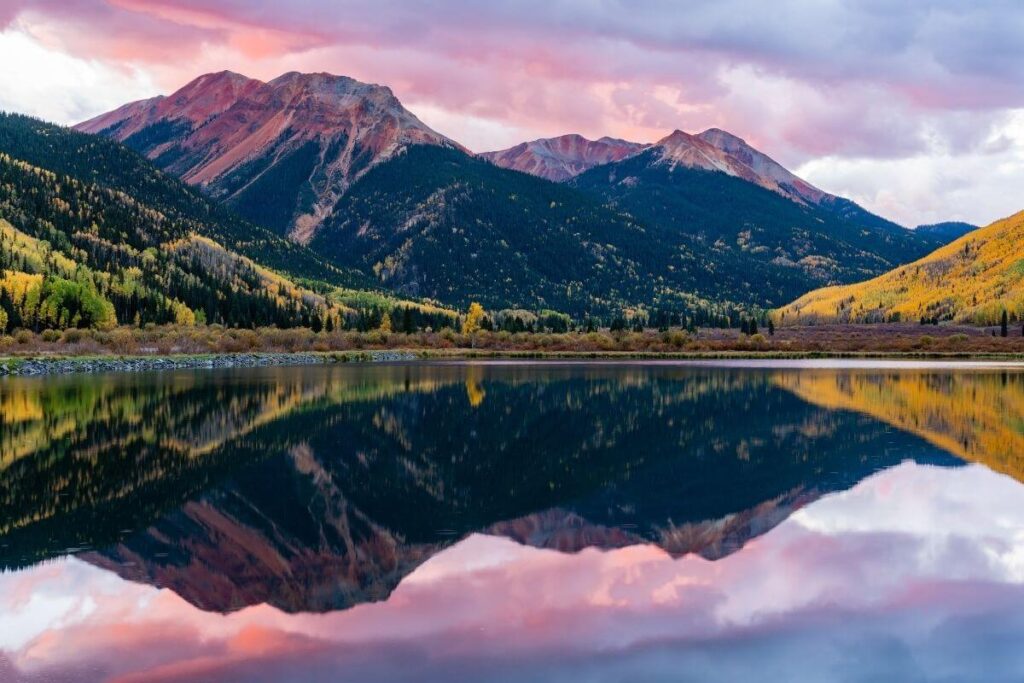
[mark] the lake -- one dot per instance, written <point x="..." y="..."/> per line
<point x="818" y="521"/>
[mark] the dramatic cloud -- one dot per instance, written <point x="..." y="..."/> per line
<point x="859" y="83"/>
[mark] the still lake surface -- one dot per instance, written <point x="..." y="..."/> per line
<point x="515" y="522"/>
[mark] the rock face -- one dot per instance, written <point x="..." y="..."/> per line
<point x="563" y="157"/>
<point x="717" y="150"/>
<point x="281" y="153"/>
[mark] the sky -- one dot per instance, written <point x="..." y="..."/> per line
<point x="913" y="109"/>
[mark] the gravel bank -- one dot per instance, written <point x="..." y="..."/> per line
<point x="63" y="366"/>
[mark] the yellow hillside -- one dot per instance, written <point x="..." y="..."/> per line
<point x="971" y="280"/>
<point x="974" y="416"/>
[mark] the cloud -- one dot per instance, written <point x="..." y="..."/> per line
<point x="57" y="86"/>
<point x="853" y="80"/>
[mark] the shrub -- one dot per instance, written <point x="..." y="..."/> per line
<point x="73" y="335"/>
<point x="51" y="336"/>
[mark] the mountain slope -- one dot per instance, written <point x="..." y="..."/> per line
<point x="435" y="222"/>
<point x="757" y="244"/>
<point x="973" y="279"/>
<point x="280" y="153"/>
<point x="563" y="157"/>
<point x="92" y="235"/>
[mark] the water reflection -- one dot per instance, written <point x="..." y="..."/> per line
<point x="328" y="489"/>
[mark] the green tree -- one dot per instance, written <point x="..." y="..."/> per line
<point x="1004" y="325"/>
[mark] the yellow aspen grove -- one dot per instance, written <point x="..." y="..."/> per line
<point x="474" y="317"/>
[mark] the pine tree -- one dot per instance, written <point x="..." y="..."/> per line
<point x="771" y="328"/>
<point x="1004" y="325"/>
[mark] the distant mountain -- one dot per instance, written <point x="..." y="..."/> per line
<point x="761" y="235"/>
<point x="92" y="235"/>
<point x="717" y="150"/>
<point x="563" y="157"/>
<point x="973" y="279"/>
<point x="280" y="153"/>
<point x="948" y="231"/>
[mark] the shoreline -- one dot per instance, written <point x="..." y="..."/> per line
<point x="41" y="365"/>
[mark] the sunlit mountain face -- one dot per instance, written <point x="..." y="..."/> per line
<point x="504" y="519"/>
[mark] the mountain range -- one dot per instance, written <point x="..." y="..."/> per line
<point x="689" y="222"/>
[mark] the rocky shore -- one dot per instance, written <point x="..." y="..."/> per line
<point x="66" y="365"/>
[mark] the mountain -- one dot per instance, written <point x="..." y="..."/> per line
<point x="717" y="150"/>
<point x="280" y="153"/>
<point x="973" y="279"/>
<point x="92" y="235"/>
<point x="438" y="223"/>
<point x="563" y="157"/>
<point x="760" y="236"/>
<point x="948" y="231"/>
<point x="695" y="224"/>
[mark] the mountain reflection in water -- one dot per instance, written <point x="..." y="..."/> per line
<point x="323" y="489"/>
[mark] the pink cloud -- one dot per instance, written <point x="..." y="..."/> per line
<point x="550" y="64"/>
<point x="844" y="79"/>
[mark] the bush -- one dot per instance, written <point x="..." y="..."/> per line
<point x="50" y="336"/>
<point x="73" y="335"/>
<point x="23" y="337"/>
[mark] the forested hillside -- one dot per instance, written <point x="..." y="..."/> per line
<point x="977" y="279"/>
<point x="748" y="243"/>
<point x="98" y="237"/>
<point x="95" y="160"/>
<point x="436" y="222"/>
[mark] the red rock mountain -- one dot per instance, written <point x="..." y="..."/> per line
<point x="563" y="157"/>
<point x="717" y="150"/>
<point x="281" y="152"/>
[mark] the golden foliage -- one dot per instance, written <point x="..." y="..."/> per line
<point x="972" y="280"/>
<point x="976" y="416"/>
<point x="474" y="318"/>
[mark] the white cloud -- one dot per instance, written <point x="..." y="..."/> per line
<point x="60" y="88"/>
<point x="979" y="185"/>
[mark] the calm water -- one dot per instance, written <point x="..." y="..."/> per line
<point x="512" y="522"/>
